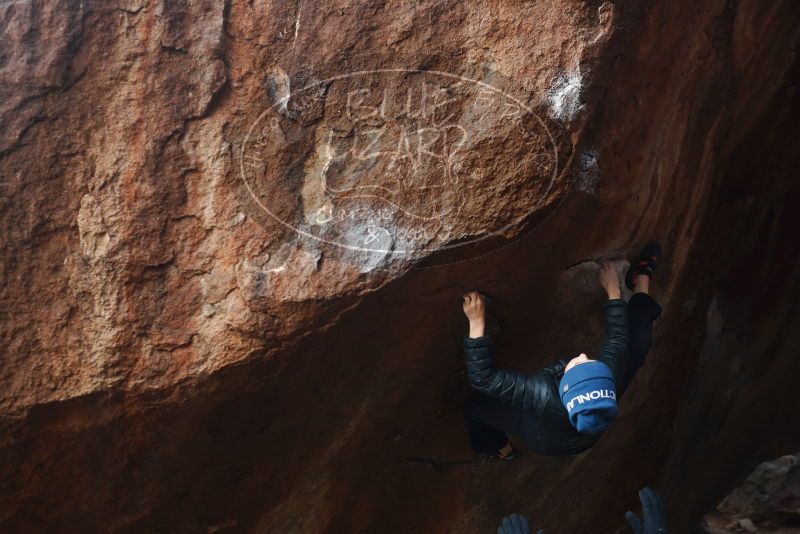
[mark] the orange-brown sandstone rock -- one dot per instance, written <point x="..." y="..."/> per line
<point x="234" y="236"/>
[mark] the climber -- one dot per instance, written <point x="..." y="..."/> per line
<point x="564" y="408"/>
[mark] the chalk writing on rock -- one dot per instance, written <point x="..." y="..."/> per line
<point x="398" y="161"/>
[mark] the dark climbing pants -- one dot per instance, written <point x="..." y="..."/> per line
<point x="643" y="311"/>
<point x="490" y="420"/>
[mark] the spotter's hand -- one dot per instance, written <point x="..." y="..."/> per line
<point x="654" y="519"/>
<point x="515" y="524"/>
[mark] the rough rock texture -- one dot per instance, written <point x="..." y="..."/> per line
<point x="177" y="359"/>
<point x="767" y="501"/>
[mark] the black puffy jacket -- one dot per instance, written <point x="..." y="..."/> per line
<point x="548" y="430"/>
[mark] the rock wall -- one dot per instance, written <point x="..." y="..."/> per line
<point x="189" y="347"/>
<point x="769" y="499"/>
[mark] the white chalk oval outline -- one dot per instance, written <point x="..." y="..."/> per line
<point x="396" y="251"/>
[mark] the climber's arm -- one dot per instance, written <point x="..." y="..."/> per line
<point x="528" y="392"/>
<point x="617" y="340"/>
<point x="616" y="343"/>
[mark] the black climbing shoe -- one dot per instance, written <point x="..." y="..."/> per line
<point x="646" y="264"/>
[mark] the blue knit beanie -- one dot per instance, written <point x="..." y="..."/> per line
<point x="589" y="394"/>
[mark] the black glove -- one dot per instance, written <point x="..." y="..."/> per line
<point x="515" y="524"/>
<point x="655" y="521"/>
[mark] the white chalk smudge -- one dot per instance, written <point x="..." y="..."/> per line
<point x="317" y="206"/>
<point x="564" y="96"/>
<point x="377" y="243"/>
<point x="297" y="25"/>
<point x="236" y="220"/>
<point x="278" y="88"/>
